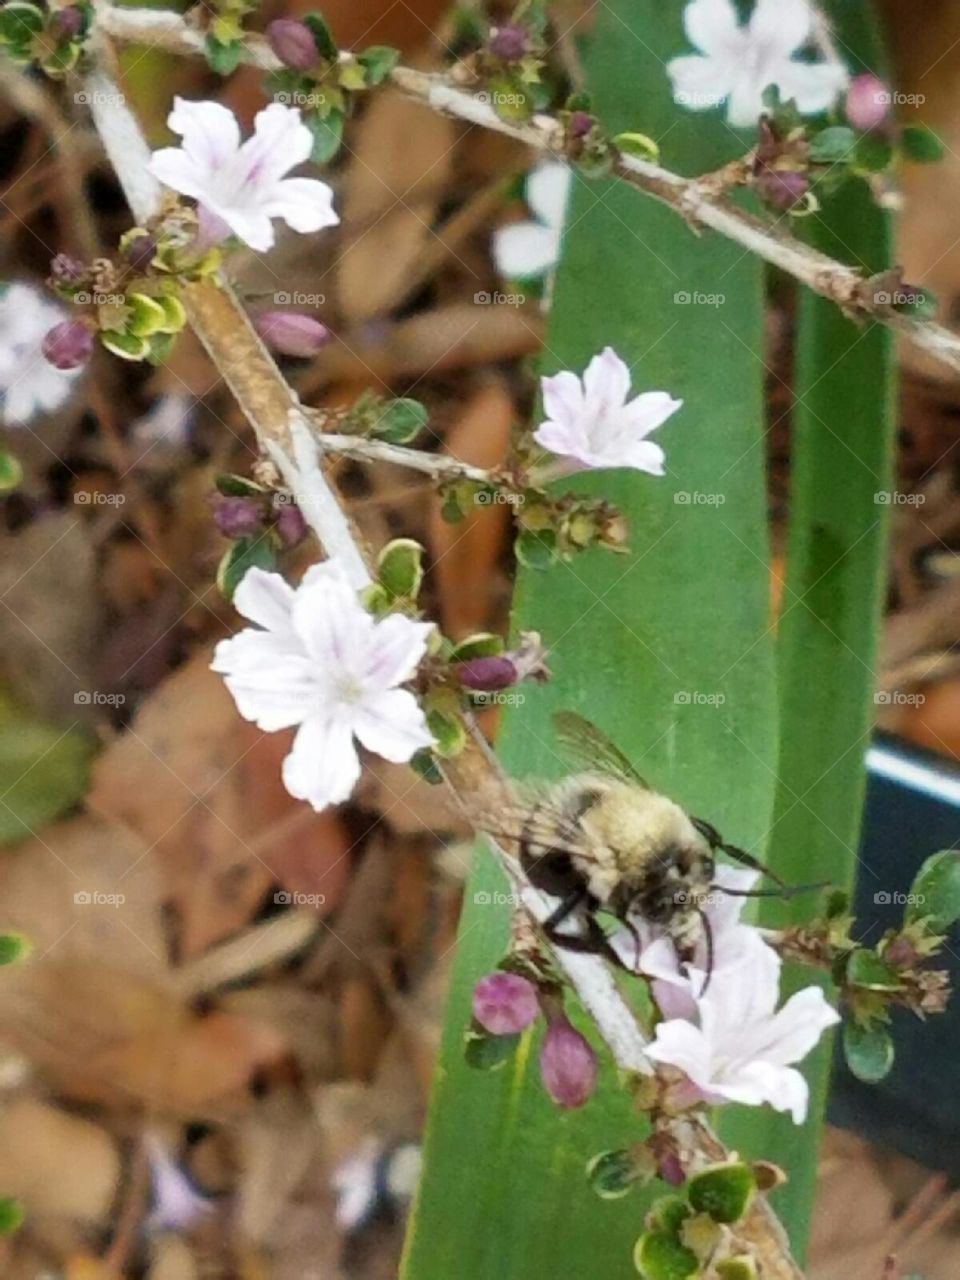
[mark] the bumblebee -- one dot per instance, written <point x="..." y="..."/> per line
<point x="603" y="840"/>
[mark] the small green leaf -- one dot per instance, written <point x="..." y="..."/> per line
<point x="161" y="344"/>
<point x="322" y="36"/>
<point x="13" y="947"/>
<point x="873" y="153"/>
<point x="536" y="550"/>
<point x="637" y="144"/>
<point x="935" y="892"/>
<point x="866" y="969"/>
<point x="833" y="144"/>
<point x="921" y="144"/>
<point x="246" y="553"/>
<point x="838" y="903"/>
<point x="234" y="486"/>
<point x="424" y="764"/>
<point x="147" y="315"/>
<point x="510" y="99"/>
<point x="11" y="472"/>
<point x="11" y="1215"/>
<point x="125" y="345"/>
<point x="612" y="1174"/>
<point x="482" y="645"/>
<point x="662" y="1257"/>
<point x="449" y="731"/>
<point x="868" y="1051"/>
<point x="400" y="568"/>
<point x="378" y="61"/>
<point x="327" y="135"/>
<point x="174" y="314"/>
<point x="44" y="771"/>
<point x="19" y="23"/>
<point x="400" y="421"/>
<point x="668" y="1214"/>
<point x="742" y="1268"/>
<point x="724" y="1192"/>
<point x="488" y="1053"/>
<point x="223" y="58"/>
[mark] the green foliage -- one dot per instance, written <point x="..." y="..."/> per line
<point x="256" y="551"/>
<point x="724" y="1192"/>
<point x="44" y="771"/>
<point x="868" y="1049"/>
<point x="921" y="144"/>
<point x="11" y="472"/>
<point x="400" y="569"/>
<point x="11" y="1215"/>
<point x="401" y="421"/>
<point x="936" y="892"/>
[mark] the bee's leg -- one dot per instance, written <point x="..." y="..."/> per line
<point x="592" y="942"/>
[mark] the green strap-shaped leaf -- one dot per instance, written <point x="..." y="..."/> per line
<point x="842" y="441"/>
<point x="667" y="650"/>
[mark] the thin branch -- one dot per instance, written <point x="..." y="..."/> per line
<point x="690" y="197"/>
<point x="438" y="465"/>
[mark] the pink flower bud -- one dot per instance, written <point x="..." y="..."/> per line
<point x="140" y="250"/>
<point x="67" y="270"/>
<point x="505" y="1004"/>
<point x="67" y="23"/>
<point x="68" y="345"/>
<point x="868" y="102"/>
<point x="510" y="42"/>
<point x="495" y="672"/>
<point x="237" y="517"/>
<point x="581" y="122"/>
<point x="290" y="333"/>
<point x="291" y="525"/>
<point x="782" y="188"/>
<point x="293" y="43"/>
<point x="568" y="1066"/>
<point x="901" y="954"/>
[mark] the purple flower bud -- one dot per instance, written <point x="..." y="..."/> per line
<point x="237" y="517"/>
<point x="510" y="42"/>
<point x="290" y="333"/>
<point x="495" y="672"/>
<point x="868" y="102"/>
<point x="67" y="270"/>
<point x="68" y="345"/>
<point x="291" y="525"/>
<point x="782" y="188"/>
<point x="581" y="122"/>
<point x="67" y="23"/>
<point x="293" y="43"/>
<point x="901" y="954"/>
<point x="505" y="1004"/>
<point x="140" y="250"/>
<point x="568" y="1066"/>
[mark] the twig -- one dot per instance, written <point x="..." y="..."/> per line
<point x="284" y="431"/>
<point x="834" y="280"/>
<point x="439" y="466"/>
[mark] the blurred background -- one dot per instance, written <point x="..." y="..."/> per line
<point x="217" y="1061"/>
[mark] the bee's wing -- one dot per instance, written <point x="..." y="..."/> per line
<point x="525" y="814"/>
<point x="590" y="747"/>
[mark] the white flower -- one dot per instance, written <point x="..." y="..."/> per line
<point x="323" y="663"/>
<point x="737" y="63"/>
<point x="29" y="383"/>
<point x="527" y="249"/>
<point x="594" y="424"/>
<point x="743" y="1048"/>
<point x="177" y="1204"/>
<point x="241" y="184"/>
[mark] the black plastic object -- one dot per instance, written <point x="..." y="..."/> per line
<point x="912" y="810"/>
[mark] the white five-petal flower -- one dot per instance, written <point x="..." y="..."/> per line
<point x="323" y="663"/>
<point x="742" y="1049"/>
<point x="29" y="383"/>
<point x="736" y="63"/>
<point x="594" y="424"/>
<point x="531" y="248"/>
<point x="241" y="186"/>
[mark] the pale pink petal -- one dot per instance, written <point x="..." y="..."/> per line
<point x="272" y="689"/>
<point x="331" y="623"/>
<point x="265" y="598"/>
<point x="563" y="398"/>
<point x="398" y="645"/>
<point x="280" y="141"/>
<point x="814" y="86"/>
<point x="323" y="766"/>
<point x="392" y="725"/>
<point x="649" y="410"/>
<point x="606" y="383"/>
<point x="781" y="26"/>
<point x="684" y="1046"/>
<point x="305" y="204"/>
<point x="795" y="1029"/>
<point x="209" y="130"/>
<point x="783" y="1088"/>
<point x="525" y="249"/>
<point x="250" y="224"/>
<point x="700" y="83"/>
<point x="642" y="456"/>
<point x="564" y="442"/>
<point x="711" y="25"/>
<point x="547" y="191"/>
<point x="746" y="98"/>
<point x="176" y="170"/>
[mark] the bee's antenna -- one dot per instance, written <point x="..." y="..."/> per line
<point x="638" y="946"/>
<point x="708" y="939"/>
<point x="787" y="891"/>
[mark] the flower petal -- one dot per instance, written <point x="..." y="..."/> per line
<point x="332" y="624"/>
<point x="700" y="83"/>
<point x="563" y="398"/>
<point x="280" y="141"/>
<point x="271" y="687"/>
<point x="649" y="410"/>
<point x="265" y="598"/>
<point x="782" y="1088"/>
<point x="683" y="1045"/>
<point x="211" y="135"/>
<point x="814" y="85"/>
<point x="711" y="25"/>
<point x="305" y="204"/>
<point x="392" y="725"/>
<point x="782" y="26"/>
<point x="642" y="456"/>
<point x="565" y="443"/>
<point x="606" y="384"/>
<point x="178" y="171"/>
<point x="323" y="766"/>
<point x="795" y="1029"/>
<point x="398" y="645"/>
<point x="548" y="190"/>
<point x="525" y="249"/>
